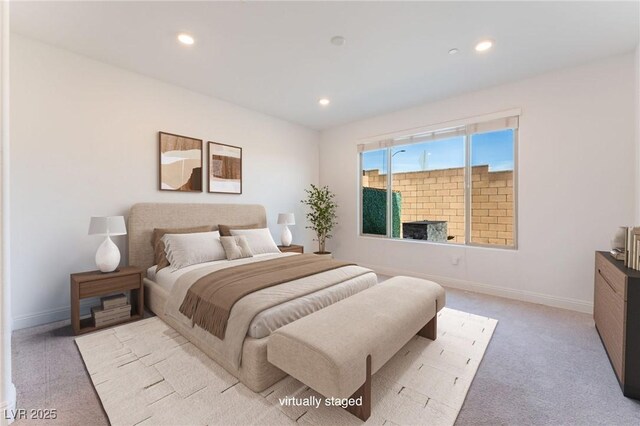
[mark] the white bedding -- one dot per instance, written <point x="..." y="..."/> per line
<point x="166" y="278"/>
<point x="269" y="320"/>
<point x="229" y="350"/>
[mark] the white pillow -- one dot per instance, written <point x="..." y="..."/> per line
<point x="190" y="249"/>
<point x="260" y="240"/>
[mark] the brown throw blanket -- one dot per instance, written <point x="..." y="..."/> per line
<point x="209" y="300"/>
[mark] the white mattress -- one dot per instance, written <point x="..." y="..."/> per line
<point x="273" y="318"/>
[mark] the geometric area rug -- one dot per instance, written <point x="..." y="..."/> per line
<point x="146" y="373"/>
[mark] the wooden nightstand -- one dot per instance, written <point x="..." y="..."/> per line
<point x="96" y="283"/>
<point x="292" y="249"/>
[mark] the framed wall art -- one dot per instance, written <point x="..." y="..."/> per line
<point x="180" y="163"/>
<point x="225" y="168"/>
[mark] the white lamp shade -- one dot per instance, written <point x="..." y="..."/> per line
<point x="107" y="225"/>
<point x="286" y="219"/>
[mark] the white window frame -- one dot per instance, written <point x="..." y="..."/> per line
<point x="466" y="128"/>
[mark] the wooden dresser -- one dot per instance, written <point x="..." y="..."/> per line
<point x="616" y="311"/>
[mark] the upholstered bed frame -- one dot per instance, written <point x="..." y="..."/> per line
<point x="144" y="217"/>
<point x="255" y="372"/>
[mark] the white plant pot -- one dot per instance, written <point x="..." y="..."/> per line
<point x="328" y="254"/>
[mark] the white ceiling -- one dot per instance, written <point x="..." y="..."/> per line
<point x="277" y="58"/>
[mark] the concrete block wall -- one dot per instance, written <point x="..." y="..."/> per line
<point x="439" y="195"/>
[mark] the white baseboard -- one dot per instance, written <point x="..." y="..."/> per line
<point x="8" y="407"/>
<point x="53" y="315"/>
<point x="523" y="295"/>
<point x="509" y="293"/>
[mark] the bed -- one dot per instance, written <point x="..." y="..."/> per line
<point x="243" y="352"/>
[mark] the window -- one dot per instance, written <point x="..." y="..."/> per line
<point x="455" y="185"/>
<point x="492" y="202"/>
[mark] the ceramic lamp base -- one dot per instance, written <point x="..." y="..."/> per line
<point x="286" y="237"/>
<point x="107" y="256"/>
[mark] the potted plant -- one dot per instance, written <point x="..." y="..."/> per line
<point x="322" y="215"/>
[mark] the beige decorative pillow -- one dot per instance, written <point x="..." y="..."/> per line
<point x="236" y="247"/>
<point x="159" y="255"/>
<point x="260" y="240"/>
<point x="225" y="230"/>
<point x="191" y="249"/>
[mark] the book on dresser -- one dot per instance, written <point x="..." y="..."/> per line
<point x="631" y="249"/>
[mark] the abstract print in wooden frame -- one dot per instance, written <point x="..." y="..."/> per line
<point x="225" y="168"/>
<point x="180" y="163"/>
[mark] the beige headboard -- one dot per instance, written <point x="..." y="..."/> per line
<point x="144" y="217"/>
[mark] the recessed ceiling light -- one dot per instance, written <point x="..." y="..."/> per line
<point x="186" y="39"/>
<point x="453" y="51"/>
<point x="338" y="40"/>
<point x="484" y="45"/>
<point x="324" y="101"/>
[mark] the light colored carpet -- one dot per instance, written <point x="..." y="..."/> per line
<point x="544" y="366"/>
<point x="147" y="373"/>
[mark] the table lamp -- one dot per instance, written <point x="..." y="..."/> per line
<point x="108" y="255"/>
<point x="286" y="219"/>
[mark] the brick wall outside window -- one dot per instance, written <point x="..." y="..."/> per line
<point x="439" y="195"/>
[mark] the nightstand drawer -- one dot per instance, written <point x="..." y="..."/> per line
<point x="612" y="275"/>
<point x="109" y="285"/>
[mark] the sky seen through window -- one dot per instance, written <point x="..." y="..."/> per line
<point x="495" y="149"/>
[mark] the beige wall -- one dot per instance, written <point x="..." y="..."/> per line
<point x="439" y="195"/>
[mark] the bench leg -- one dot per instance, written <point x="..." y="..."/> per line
<point x="430" y="331"/>
<point x="363" y="411"/>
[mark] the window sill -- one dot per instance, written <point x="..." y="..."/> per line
<point x="432" y="243"/>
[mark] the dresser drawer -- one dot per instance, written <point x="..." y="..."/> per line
<point x="108" y="285"/>
<point x="609" y="315"/>
<point x="616" y="279"/>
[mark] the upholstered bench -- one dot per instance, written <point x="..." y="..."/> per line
<point x="336" y="349"/>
